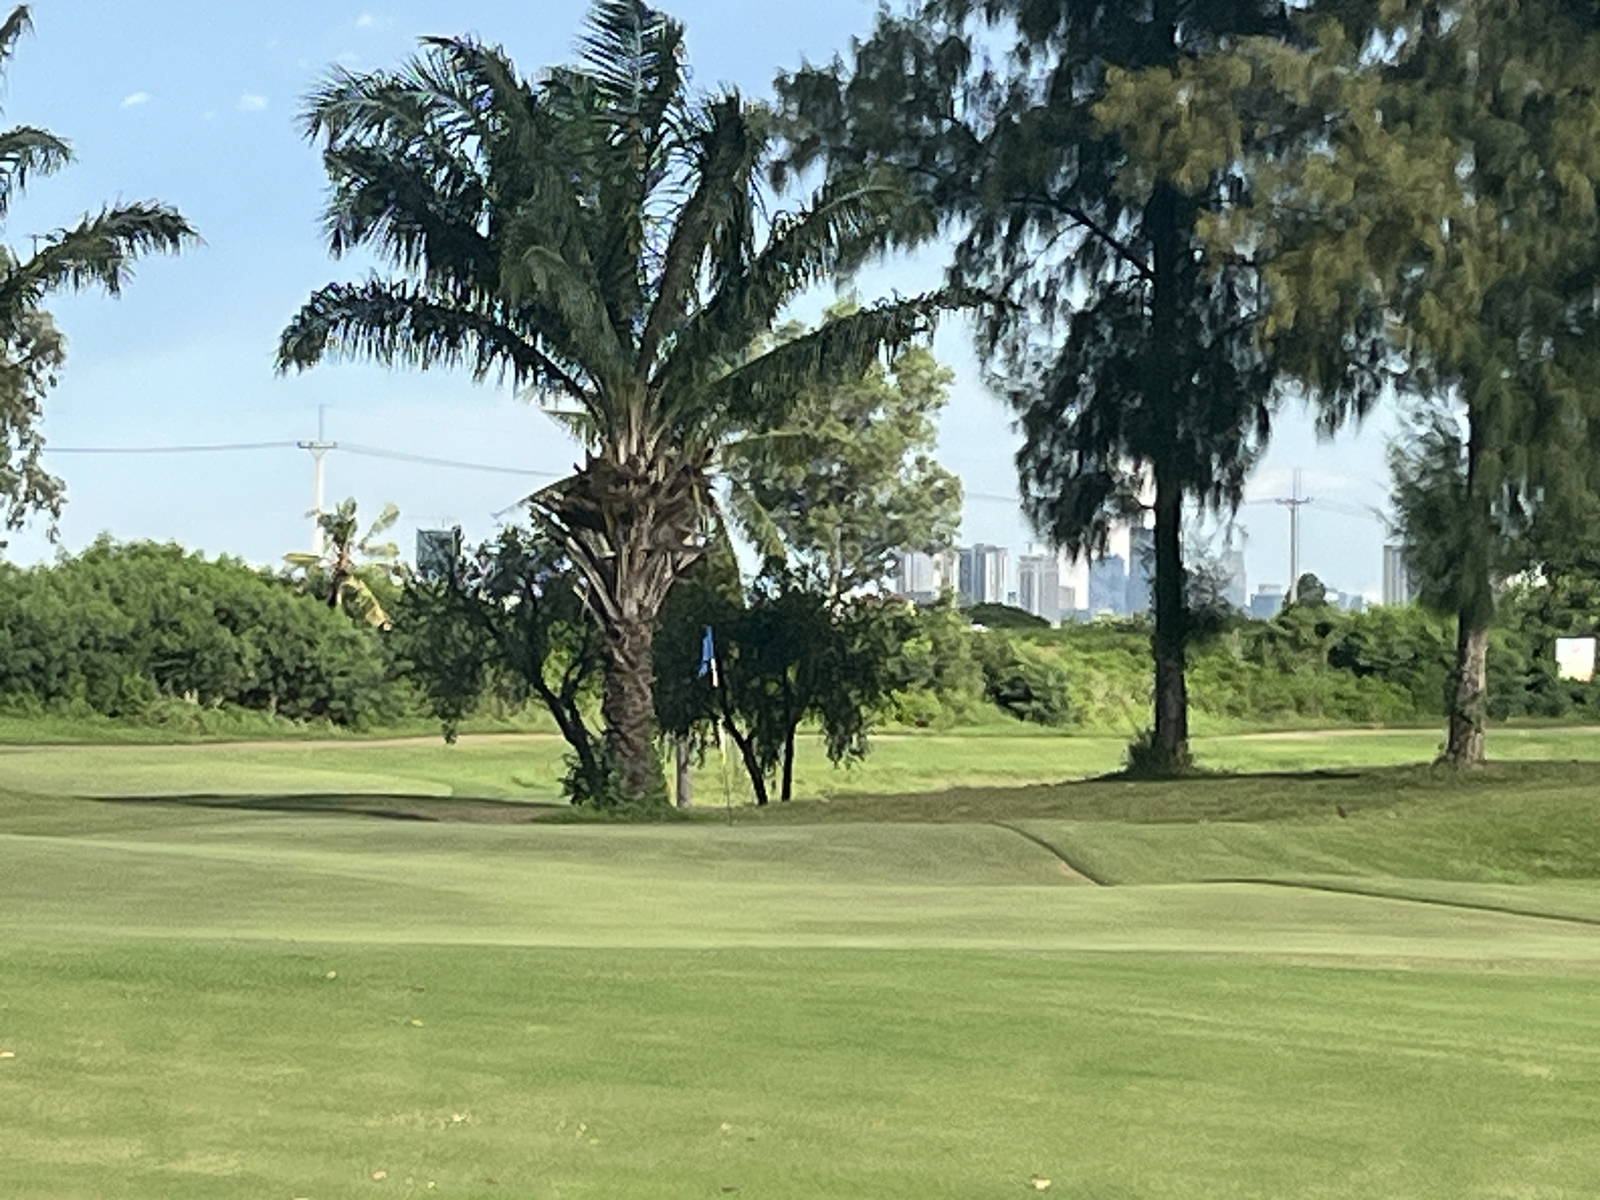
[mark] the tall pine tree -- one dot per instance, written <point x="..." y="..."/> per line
<point x="1447" y="202"/>
<point x="1081" y="173"/>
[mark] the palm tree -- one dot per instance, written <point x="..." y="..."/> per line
<point x="599" y="236"/>
<point x="99" y="251"/>
<point x="351" y="559"/>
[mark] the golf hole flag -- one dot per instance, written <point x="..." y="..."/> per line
<point x="708" y="657"/>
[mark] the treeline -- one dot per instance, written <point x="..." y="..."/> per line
<point x="149" y="633"/>
<point x="142" y="631"/>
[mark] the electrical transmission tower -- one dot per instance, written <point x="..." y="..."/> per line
<point x="1294" y="503"/>
<point x="319" y="451"/>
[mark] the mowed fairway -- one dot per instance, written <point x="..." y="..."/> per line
<point x="230" y="975"/>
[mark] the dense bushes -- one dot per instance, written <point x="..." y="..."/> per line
<point x="1311" y="664"/>
<point x="153" y="634"/>
<point x="129" y="630"/>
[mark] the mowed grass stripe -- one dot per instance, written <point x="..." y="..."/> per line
<point x="192" y="1071"/>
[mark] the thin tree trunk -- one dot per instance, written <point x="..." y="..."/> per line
<point x="1465" y="747"/>
<point x="752" y="768"/>
<point x="684" y="791"/>
<point x="786" y="792"/>
<point x="1171" y="635"/>
<point x="629" y="706"/>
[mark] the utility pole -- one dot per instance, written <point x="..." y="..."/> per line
<point x="1294" y="503"/>
<point x="319" y="450"/>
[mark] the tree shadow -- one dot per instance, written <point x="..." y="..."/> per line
<point x="431" y="809"/>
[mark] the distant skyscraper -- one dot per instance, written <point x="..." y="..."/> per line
<point x="1397" y="587"/>
<point x="923" y="578"/>
<point x="981" y="574"/>
<point x="1108" y="585"/>
<point x="1039" y="586"/>
<point x="1237" y="589"/>
<point x="1267" y="602"/>
<point x="1141" y="566"/>
<point x="1350" y="601"/>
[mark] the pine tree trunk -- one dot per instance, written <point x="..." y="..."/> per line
<point x="1171" y="632"/>
<point x="1465" y="747"/>
<point x="1170" y="641"/>
<point x="630" y="718"/>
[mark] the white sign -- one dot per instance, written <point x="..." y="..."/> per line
<point x="1575" y="658"/>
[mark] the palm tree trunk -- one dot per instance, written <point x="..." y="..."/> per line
<point x="628" y="703"/>
<point x="1171" y="636"/>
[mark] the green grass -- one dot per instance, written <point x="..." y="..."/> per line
<point x="224" y="977"/>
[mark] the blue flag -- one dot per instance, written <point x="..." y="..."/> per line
<point x="708" y="657"/>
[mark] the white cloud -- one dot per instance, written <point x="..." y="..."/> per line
<point x="136" y="99"/>
<point x="368" y="21"/>
<point x="251" y="102"/>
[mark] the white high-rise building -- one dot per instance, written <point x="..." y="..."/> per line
<point x="981" y="574"/>
<point x="922" y="577"/>
<point x="1397" y="586"/>
<point x="1039" y="586"/>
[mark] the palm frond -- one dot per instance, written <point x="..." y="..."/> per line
<point x="11" y="30"/>
<point x="634" y="55"/>
<point x="844" y="225"/>
<point x="26" y="151"/>
<point x="100" y="251"/>
<point x="401" y="323"/>
<point x="716" y="221"/>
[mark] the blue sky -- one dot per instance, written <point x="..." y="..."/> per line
<point x="194" y="103"/>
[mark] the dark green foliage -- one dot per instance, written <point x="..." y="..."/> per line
<point x="1004" y="616"/>
<point x="1310" y="592"/>
<point x="510" y="623"/>
<point x="786" y="653"/>
<point x="938" y="679"/>
<point x="1022" y="683"/>
<point x="122" y="626"/>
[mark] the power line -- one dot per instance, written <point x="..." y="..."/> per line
<point x="208" y="449"/>
<point x="430" y="461"/>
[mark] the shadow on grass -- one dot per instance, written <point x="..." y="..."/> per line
<point x="1336" y="792"/>
<point x="438" y="809"/>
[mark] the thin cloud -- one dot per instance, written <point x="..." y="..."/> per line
<point x="251" y="102"/>
<point x="136" y="99"/>
<point x="368" y="21"/>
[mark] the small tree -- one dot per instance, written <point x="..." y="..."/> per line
<point x="514" y="610"/>
<point x="849" y="478"/>
<point x="783" y="654"/>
